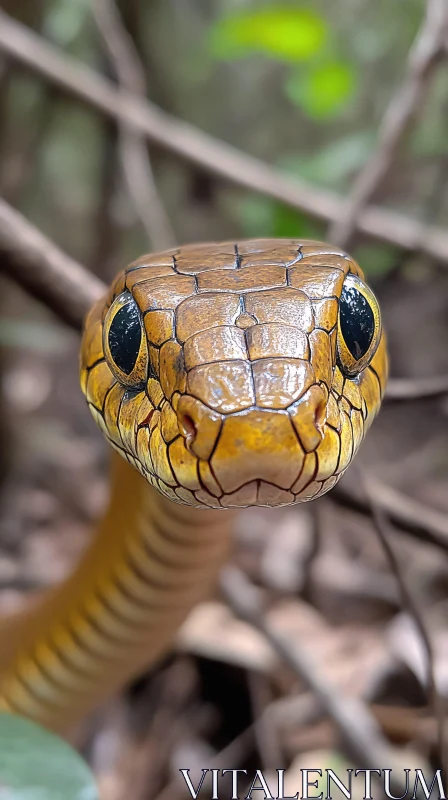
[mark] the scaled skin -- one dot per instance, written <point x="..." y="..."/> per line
<point x="250" y="407"/>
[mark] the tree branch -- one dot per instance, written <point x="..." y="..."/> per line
<point x="31" y="51"/>
<point x="360" y="732"/>
<point x="406" y="513"/>
<point x="411" y="606"/>
<point x="138" y="173"/>
<point x="44" y="271"/>
<point x="426" y="53"/>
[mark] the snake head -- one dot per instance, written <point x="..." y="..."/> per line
<point x="237" y="375"/>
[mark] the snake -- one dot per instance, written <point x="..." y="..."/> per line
<point x="223" y="375"/>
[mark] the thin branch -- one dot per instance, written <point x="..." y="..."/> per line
<point x="359" y="730"/>
<point x="424" y="56"/>
<point x="48" y="274"/>
<point x="136" y="165"/>
<point x="31" y="51"/>
<point x="410" y="605"/>
<point x="406" y="513"/>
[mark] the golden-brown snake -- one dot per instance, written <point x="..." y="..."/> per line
<point x="227" y="375"/>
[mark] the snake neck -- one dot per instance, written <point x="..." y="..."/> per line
<point x="149" y="563"/>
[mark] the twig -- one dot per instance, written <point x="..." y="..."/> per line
<point x="406" y="513"/>
<point x="36" y="264"/>
<point x="136" y="165"/>
<point x="411" y="606"/>
<point x="358" y="728"/>
<point x="425" y="54"/>
<point x="20" y="44"/>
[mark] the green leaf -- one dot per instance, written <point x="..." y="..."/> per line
<point x="322" y="90"/>
<point x="281" y="32"/>
<point x="37" y="765"/>
<point x="292" y="224"/>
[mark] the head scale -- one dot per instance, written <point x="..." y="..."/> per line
<point x="237" y="375"/>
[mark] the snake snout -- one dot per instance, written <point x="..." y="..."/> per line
<point x="263" y="447"/>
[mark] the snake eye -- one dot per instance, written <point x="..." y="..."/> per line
<point x="359" y="326"/>
<point x="124" y="342"/>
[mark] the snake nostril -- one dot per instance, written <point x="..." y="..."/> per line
<point x="187" y="427"/>
<point x="199" y="426"/>
<point x="320" y="415"/>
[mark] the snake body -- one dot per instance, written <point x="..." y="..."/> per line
<point x="227" y="375"/>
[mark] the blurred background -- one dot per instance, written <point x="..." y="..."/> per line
<point x="303" y="87"/>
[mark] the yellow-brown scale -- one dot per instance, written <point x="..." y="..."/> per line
<point x="238" y="397"/>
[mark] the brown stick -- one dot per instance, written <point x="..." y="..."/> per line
<point x="359" y="730"/>
<point x="412" y="607"/>
<point x="48" y="274"/>
<point x="406" y="513"/>
<point x="135" y="160"/>
<point x="31" y="51"/>
<point x="426" y="53"/>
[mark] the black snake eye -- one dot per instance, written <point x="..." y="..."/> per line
<point x="359" y="326"/>
<point x="356" y="320"/>
<point x="124" y="341"/>
<point x="125" y="335"/>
